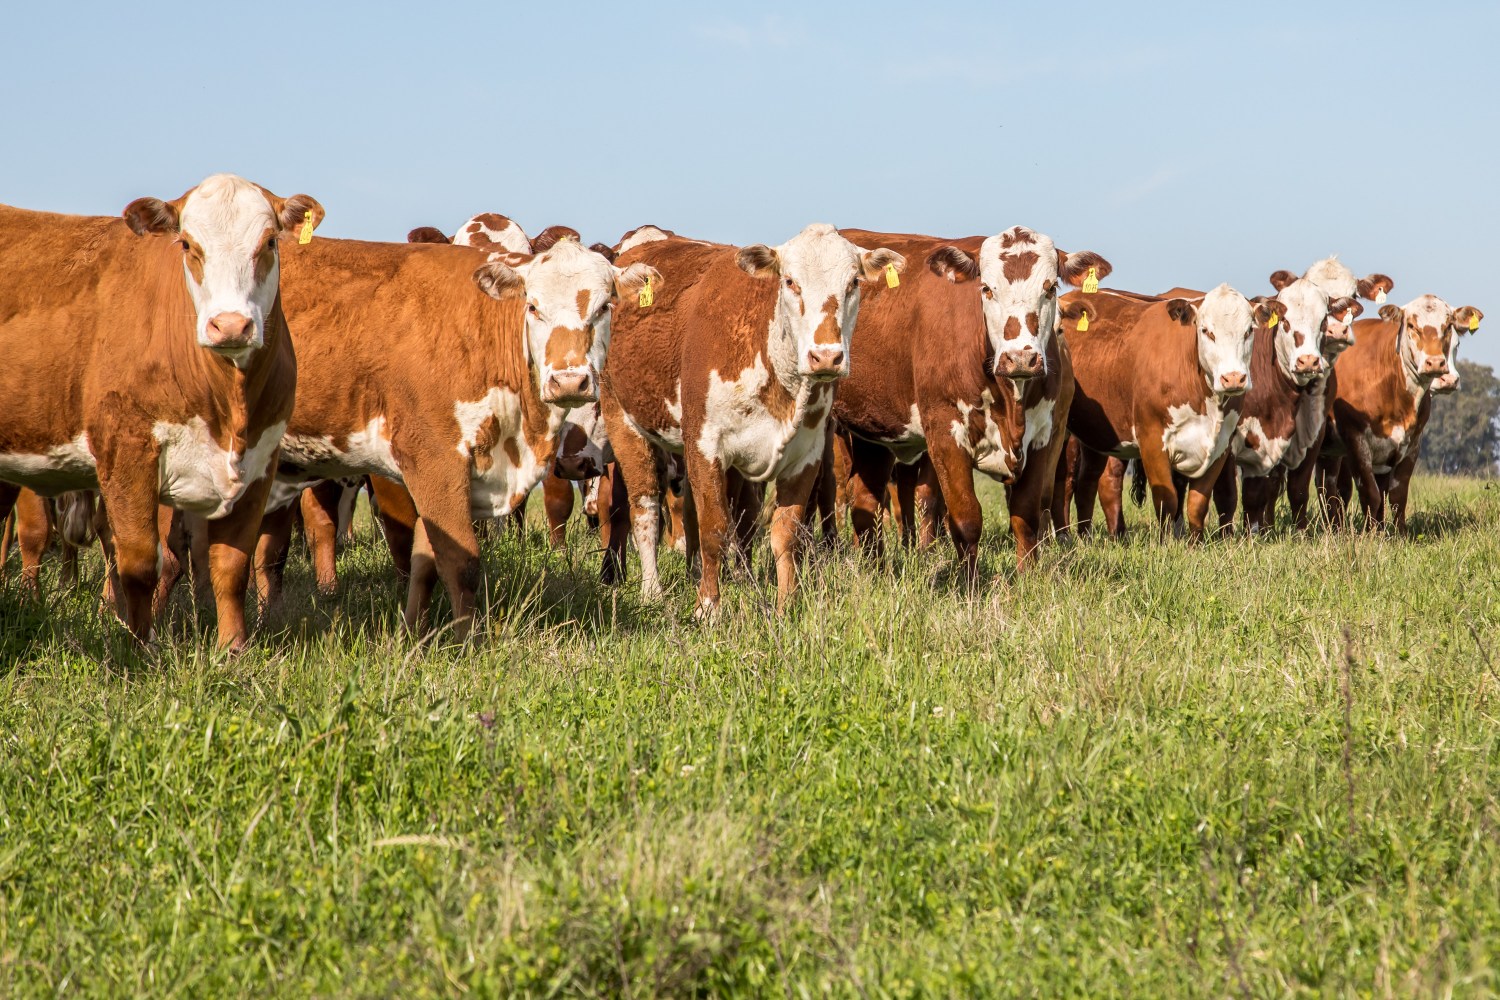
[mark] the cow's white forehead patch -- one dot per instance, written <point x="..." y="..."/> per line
<point x="1224" y="311"/>
<point x="555" y="278"/>
<point x="227" y="212"/>
<point x="1306" y="307"/>
<point x="1017" y="244"/>
<point x="1336" y="280"/>
<point x="1428" y="310"/>
<point x="818" y="252"/>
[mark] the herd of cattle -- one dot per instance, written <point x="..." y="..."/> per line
<point x="214" y="372"/>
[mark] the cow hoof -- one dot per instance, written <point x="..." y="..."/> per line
<point x="707" y="610"/>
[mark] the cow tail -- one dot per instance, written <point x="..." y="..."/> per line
<point x="1137" y="481"/>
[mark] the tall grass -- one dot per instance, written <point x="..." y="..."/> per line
<point x="1251" y="768"/>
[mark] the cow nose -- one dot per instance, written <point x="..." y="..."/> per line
<point x="1309" y="364"/>
<point x="825" y="361"/>
<point x="1233" y="383"/>
<point x="230" y="330"/>
<point x="1435" y="366"/>
<point x="570" y="386"/>
<point x="1024" y="363"/>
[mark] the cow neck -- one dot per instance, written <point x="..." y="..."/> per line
<point x="1264" y="363"/>
<point x="1414" y="385"/>
<point x="213" y="387"/>
<point x="493" y="354"/>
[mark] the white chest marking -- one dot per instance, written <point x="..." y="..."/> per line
<point x="1193" y="440"/>
<point x="740" y="433"/>
<point x="1255" y="451"/>
<point x="989" y="452"/>
<point x="503" y="483"/>
<point x="195" y="474"/>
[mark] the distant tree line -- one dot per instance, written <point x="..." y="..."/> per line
<point x="1463" y="436"/>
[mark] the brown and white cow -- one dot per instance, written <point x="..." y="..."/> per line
<point x="1161" y="380"/>
<point x="962" y="361"/>
<point x="733" y="366"/>
<point x="1315" y="401"/>
<point x="1383" y="401"/>
<point x="412" y="373"/>
<point x="148" y="357"/>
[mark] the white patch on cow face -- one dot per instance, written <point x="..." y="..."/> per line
<point x="1449" y="382"/>
<point x="1226" y="328"/>
<point x="1193" y="440"/>
<point x="68" y="466"/>
<point x="1426" y="333"/>
<point x="1336" y="280"/>
<point x="570" y="297"/>
<point x="195" y="474"/>
<point x="231" y="224"/>
<point x="1018" y="271"/>
<point x="1299" y="334"/>
<point x="817" y="301"/>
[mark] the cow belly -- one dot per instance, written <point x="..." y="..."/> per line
<point x="197" y="475"/>
<point x="365" y="452"/>
<point x="1386" y="451"/>
<point x="1193" y="440"/>
<point x="1254" y="450"/>
<point x="61" y="468"/>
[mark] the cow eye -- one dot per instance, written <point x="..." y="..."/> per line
<point x="531" y="308"/>
<point x="790" y="283"/>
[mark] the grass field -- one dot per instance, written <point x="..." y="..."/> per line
<point x="1249" y="769"/>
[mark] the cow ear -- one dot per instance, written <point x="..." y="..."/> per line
<point x="1075" y="309"/>
<point x="1343" y="304"/>
<point x="1074" y="268"/>
<point x="294" y="211"/>
<point x="874" y="263"/>
<point x="427" y="234"/>
<point x="1374" y="286"/>
<point x="953" y="264"/>
<point x="1264" y="307"/>
<point x="607" y="252"/>
<point x="153" y="217"/>
<point x="1182" y="311"/>
<point x="499" y="280"/>
<point x="1466" y="319"/>
<point x="1281" y="279"/>
<point x="553" y="235"/>
<point x="758" y="260"/>
<point x="1390" y="312"/>
<point x="634" y="277"/>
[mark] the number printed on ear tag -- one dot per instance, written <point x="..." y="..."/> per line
<point x="647" y="296"/>
<point x="1091" y="283"/>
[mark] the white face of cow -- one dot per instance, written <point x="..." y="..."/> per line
<point x="1298" y="333"/>
<point x="1429" y="327"/>
<point x="228" y="230"/>
<point x="1019" y="272"/>
<point x="570" y="294"/>
<point x="1225" y="323"/>
<point x="818" y="273"/>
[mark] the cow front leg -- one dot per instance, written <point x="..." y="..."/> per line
<point x="1199" y="492"/>
<point x="270" y="556"/>
<point x="445" y="546"/>
<point x="129" y="490"/>
<point x="557" y="499"/>
<point x="231" y="551"/>
<point x="792" y="494"/>
<point x="1400" y="487"/>
<point x="320" y="525"/>
<point x="34" y="524"/>
<point x="1226" y="495"/>
<point x="711" y="505"/>
<point x="955" y="476"/>
<point x="398" y="521"/>
<point x="870" y="467"/>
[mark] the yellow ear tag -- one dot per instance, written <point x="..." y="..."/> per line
<point x="891" y="280"/>
<point x="1091" y="283"/>
<point x="1274" y="320"/>
<point x="1473" y="322"/>
<point x="305" y="237"/>
<point x="647" y="296"/>
<point x="1083" y="321"/>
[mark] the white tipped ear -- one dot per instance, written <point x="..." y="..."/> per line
<point x="632" y="278"/>
<point x="500" y="281"/>
<point x="873" y="263"/>
<point x="758" y="260"/>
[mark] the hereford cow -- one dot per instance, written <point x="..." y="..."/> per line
<point x="733" y="366"/>
<point x="471" y="437"/>
<point x="1383" y="400"/>
<point x="149" y="358"/>
<point x="961" y="361"/>
<point x="1161" y="380"/>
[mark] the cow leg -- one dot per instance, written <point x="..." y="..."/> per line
<point x="128" y="484"/>
<point x="171" y="529"/>
<point x="231" y="553"/>
<point x="1299" y="489"/>
<point x="711" y="504"/>
<point x="1400" y="486"/>
<point x="1199" y="492"/>
<point x="1371" y="496"/>
<point x="398" y="521"/>
<point x="270" y="555"/>
<point x="870" y="468"/>
<point x="557" y="498"/>
<point x="955" y="476"/>
<point x="691" y="544"/>
<point x="792" y="493"/>
<point x="1062" y="483"/>
<point x="636" y="461"/>
<point x="826" y="494"/>
<point x="1158" y="470"/>
<point x="320" y="523"/>
<point x="1225" y="493"/>
<point x="928" y="505"/>
<point x="444" y="546"/>
<point x="614" y="524"/>
<point x="1255" y="490"/>
<point x="746" y="502"/>
<point x="1031" y="495"/>
<point x="33" y="533"/>
<point x="8" y="494"/>
<point x="1087" y="482"/>
<point x="903" y="497"/>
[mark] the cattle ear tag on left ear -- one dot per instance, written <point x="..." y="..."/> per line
<point x="1091" y="283"/>
<point x="1083" y="321"/>
<point x="305" y="237"/>
<point x="1473" y="322"/>
<point x="647" y="296"/>
<point x="891" y="279"/>
<point x="1274" y="320"/>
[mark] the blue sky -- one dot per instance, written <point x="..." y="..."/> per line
<point x="1190" y="145"/>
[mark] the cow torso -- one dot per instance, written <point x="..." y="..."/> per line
<point x="1269" y="416"/>
<point x="1376" y="398"/>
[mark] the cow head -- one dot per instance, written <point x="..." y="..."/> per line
<point x="818" y="275"/>
<point x="1299" y="332"/>
<point x="1019" y="271"/>
<point x="642" y="234"/>
<point x="228" y="230"/>
<point x="1428" y="327"/>
<point x="1465" y="322"/>
<point x="1225" y="322"/>
<point x="492" y="231"/>
<point x="570" y="294"/>
<point x="427" y="234"/>
<point x="1339" y="283"/>
<point x="583" y="446"/>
